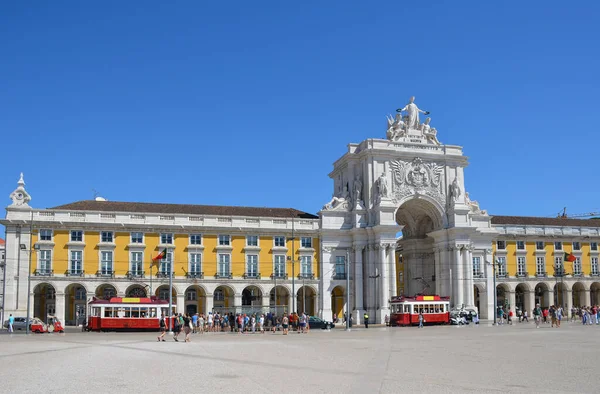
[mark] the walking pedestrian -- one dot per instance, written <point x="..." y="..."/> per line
<point x="187" y="323"/>
<point x="163" y="328"/>
<point x="421" y="319"/>
<point x="366" y="319"/>
<point x="11" y="323"/>
<point x="176" y="327"/>
<point x="537" y="315"/>
<point x="285" y="322"/>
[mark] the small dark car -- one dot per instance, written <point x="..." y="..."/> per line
<point x="316" y="322"/>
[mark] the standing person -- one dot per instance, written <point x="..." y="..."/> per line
<point x="261" y="324"/>
<point x="387" y="320"/>
<point x="176" y="327"/>
<point x="559" y="315"/>
<point x="552" y="313"/>
<point x="525" y="319"/>
<point x="253" y="323"/>
<point x="201" y="323"/>
<point x="285" y="321"/>
<point x="366" y="319"/>
<point x="11" y="323"/>
<point x="537" y="315"/>
<point x="421" y="319"/>
<point x="210" y="321"/>
<point x="195" y="323"/>
<point x="186" y="326"/>
<point x="163" y="328"/>
<point x="302" y="323"/>
<point x="307" y="320"/>
<point x="510" y="316"/>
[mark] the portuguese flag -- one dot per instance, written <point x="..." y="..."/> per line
<point x="570" y="257"/>
<point x="160" y="256"/>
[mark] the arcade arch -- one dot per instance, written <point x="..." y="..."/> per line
<point x="223" y="299"/>
<point x="595" y="293"/>
<point x="579" y="298"/>
<point x="306" y="300"/>
<point x="75" y="304"/>
<point x="44" y="301"/>
<point x="136" y="291"/>
<point x="195" y="300"/>
<point x="279" y="299"/>
<point x="105" y="291"/>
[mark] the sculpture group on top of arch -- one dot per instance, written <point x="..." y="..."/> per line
<point x="409" y="128"/>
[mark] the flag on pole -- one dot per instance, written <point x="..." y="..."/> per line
<point x="159" y="257"/>
<point x="569" y="257"/>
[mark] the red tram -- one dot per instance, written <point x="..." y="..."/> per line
<point x="132" y="313"/>
<point x="405" y="310"/>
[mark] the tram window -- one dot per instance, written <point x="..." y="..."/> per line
<point x="108" y="311"/>
<point x="144" y="312"/>
<point x="135" y="312"/>
<point x="95" y="311"/>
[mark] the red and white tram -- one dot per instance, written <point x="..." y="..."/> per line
<point x="405" y="310"/>
<point x="132" y="313"/>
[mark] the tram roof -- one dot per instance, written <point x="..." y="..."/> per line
<point x="420" y="298"/>
<point x="129" y="300"/>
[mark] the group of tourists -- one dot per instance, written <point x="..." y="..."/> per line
<point x="588" y="315"/>
<point x="240" y="322"/>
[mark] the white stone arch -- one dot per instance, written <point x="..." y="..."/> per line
<point x="142" y="285"/>
<point x="258" y="286"/>
<point x="199" y="285"/>
<point x="116" y="285"/>
<point x="422" y="204"/>
<point x="81" y="284"/>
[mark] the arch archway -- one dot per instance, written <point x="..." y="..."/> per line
<point x="136" y="291"/>
<point x="75" y="304"/>
<point x="195" y="300"/>
<point x="418" y="217"/>
<point x="252" y="297"/>
<point x="578" y="292"/>
<point x="306" y="300"/>
<point x="162" y="292"/>
<point x="338" y="302"/>
<point x="224" y="299"/>
<point x="521" y="297"/>
<point x="502" y="295"/>
<point x="106" y="291"/>
<point x="560" y="291"/>
<point x="542" y="295"/>
<point x="44" y="301"/>
<point x="279" y="300"/>
<point x="595" y="293"/>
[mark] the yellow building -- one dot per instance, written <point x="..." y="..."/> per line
<point x="222" y="258"/>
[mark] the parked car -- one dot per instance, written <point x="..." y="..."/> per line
<point x="35" y="325"/>
<point x="316" y="322"/>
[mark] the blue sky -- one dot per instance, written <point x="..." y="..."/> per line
<point x="250" y="103"/>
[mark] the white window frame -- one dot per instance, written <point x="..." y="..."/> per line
<point x="71" y="260"/>
<point x="521" y="243"/>
<point x="283" y="262"/>
<point x="194" y="238"/>
<point x="45" y="262"/>
<point x="540" y="262"/>
<point x="76" y="231"/>
<point x="102" y="267"/>
<point x="132" y="261"/>
<point x="594" y="265"/>
<point x="133" y="240"/>
<point x="223" y="264"/>
<point x="188" y="294"/>
<point x="559" y="243"/>
<point x="303" y="242"/>
<point x="559" y="263"/>
<point x="594" y="246"/>
<point x="167" y="238"/>
<point x="41" y="236"/>
<point x="498" y="245"/>
<point x="107" y="233"/>
<point x="254" y="272"/>
<point x="224" y="240"/>
<point x="253" y="238"/>
<point x="340" y="266"/>
<point x="477" y="271"/>
<point x="577" y="266"/>
<point x="195" y="261"/>
<point x="576" y="245"/>
<point x="166" y="263"/>
<point x="521" y="265"/>
<point x="276" y="238"/>
<point x="501" y="266"/>
<point x="537" y="243"/>
<point x="163" y="294"/>
<point x="306" y="269"/>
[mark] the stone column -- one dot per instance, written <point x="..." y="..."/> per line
<point x="586" y="298"/>
<point x="548" y="299"/>
<point x="438" y="277"/>
<point x="237" y="302"/>
<point x="469" y="296"/>
<point x="457" y="279"/>
<point x="358" y="284"/>
<point x="529" y="302"/>
<point x="382" y="291"/>
<point x="266" y="300"/>
<point x="568" y="300"/>
<point x="371" y="283"/>
<point x="393" y="291"/>
<point x="208" y="307"/>
<point x="180" y="303"/>
<point x="512" y="301"/>
<point x="59" y="306"/>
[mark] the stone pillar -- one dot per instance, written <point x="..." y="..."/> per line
<point x="59" y="306"/>
<point x="489" y="285"/>
<point x="469" y="296"/>
<point x="237" y="302"/>
<point x="383" y="292"/>
<point x="548" y="299"/>
<point x="393" y="291"/>
<point x="358" y="284"/>
<point x="266" y="300"/>
<point x="529" y="302"/>
<point x="457" y="280"/>
<point x="180" y="303"/>
<point x="512" y="301"/>
<point x="437" y="257"/>
<point x="371" y="283"/>
<point x="587" y="301"/>
<point x="209" y="303"/>
<point x="568" y="300"/>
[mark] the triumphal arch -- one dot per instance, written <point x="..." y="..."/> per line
<point x="401" y="216"/>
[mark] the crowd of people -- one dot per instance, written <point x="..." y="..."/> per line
<point x="552" y="315"/>
<point x="240" y="323"/>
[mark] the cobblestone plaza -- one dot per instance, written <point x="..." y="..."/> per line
<point x="446" y="359"/>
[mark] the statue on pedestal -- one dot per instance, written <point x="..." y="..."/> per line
<point x="337" y="201"/>
<point x="395" y="128"/>
<point x="358" y="190"/>
<point x="429" y="132"/>
<point x="413" y="114"/>
<point x="382" y="188"/>
<point x="454" y="190"/>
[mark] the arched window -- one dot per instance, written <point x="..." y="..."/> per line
<point x="163" y="294"/>
<point x="50" y="293"/>
<point x="191" y="295"/>
<point x="219" y="295"/>
<point x="138" y="292"/>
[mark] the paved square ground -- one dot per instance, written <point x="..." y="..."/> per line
<point x="446" y="359"/>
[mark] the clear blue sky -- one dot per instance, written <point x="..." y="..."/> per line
<point x="250" y="103"/>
